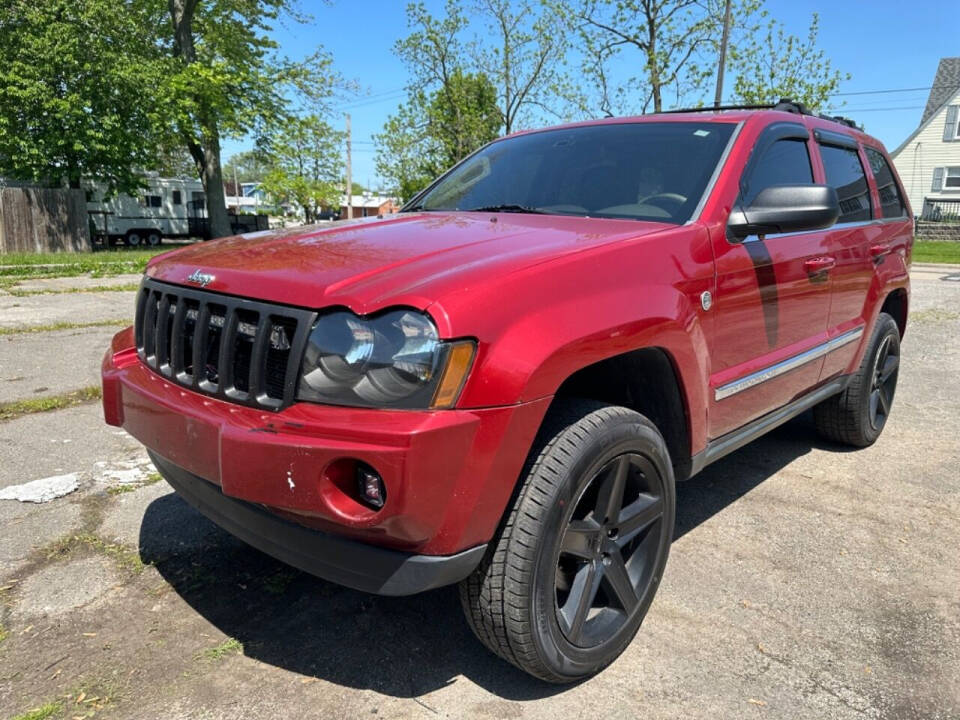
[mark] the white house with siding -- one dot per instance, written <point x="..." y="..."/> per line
<point x="928" y="161"/>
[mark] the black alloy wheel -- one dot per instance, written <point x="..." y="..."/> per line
<point x="608" y="550"/>
<point x="885" y="371"/>
<point x="857" y="415"/>
<point x="571" y="573"/>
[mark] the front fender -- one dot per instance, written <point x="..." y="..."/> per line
<point x="536" y="328"/>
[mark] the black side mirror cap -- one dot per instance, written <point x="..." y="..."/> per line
<point x="785" y="208"/>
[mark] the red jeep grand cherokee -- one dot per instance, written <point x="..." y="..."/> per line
<point x="501" y="385"/>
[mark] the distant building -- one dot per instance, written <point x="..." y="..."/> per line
<point x="929" y="160"/>
<point x="369" y="205"/>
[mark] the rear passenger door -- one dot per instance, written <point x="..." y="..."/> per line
<point x="860" y="241"/>
<point x="772" y="297"/>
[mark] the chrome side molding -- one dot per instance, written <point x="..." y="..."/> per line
<point x="785" y="366"/>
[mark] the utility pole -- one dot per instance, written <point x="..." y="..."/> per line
<point x="236" y="187"/>
<point x="349" y="173"/>
<point x="718" y="98"/>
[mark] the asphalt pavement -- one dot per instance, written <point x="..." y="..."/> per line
<point x="805" y="580"/>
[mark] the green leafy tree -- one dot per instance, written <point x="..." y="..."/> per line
<point x="305" y="165"/>
<point x="75" y="100"/>
<point x="669" y="38"/>
<point x="247" y="166"/>
<point x="431" y="133"/>
<point x="783" y="65"/>
<point x="524" y="58"/>
<point x="226" y="79"/>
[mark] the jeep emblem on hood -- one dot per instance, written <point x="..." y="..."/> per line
<point x="201" y="278"/>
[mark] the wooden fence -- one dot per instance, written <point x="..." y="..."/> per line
<point x="41" y="220"/>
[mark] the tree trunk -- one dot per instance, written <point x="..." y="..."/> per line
<point x="211" y="175"/>
<point x="205" y="150"/>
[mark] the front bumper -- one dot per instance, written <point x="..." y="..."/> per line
<point x="449" y="474"/>
<point x="346" y="562"/>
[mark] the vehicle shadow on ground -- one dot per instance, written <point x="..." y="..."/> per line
<point x="403" y="647"/>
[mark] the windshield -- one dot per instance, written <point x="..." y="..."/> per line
<point x="644" y="171"/>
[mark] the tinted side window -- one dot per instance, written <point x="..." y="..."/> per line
<point x="845" y="174"/>
<point x="890" y="199"/>
<point x="786" y="162"/>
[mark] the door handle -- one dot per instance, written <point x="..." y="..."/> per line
<point x="879" y="252"/>
<point x="817" y="265"/>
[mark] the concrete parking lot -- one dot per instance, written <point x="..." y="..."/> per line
<point x="806" y="580"/>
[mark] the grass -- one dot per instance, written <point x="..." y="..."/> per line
<point x="230" y="646"/>
<point x="17" y="292"/>
<point x="51" y="327"/>
<point x="3" y="634"/>
<point x="41" y="713"/>
<point x="130" y="487"/>
<point x="934" y="315"/>
<point x="126" y="558"/>
<point x="936" y="252"/>
<point x="98" y="264"/>
<point x="19" y="408"/>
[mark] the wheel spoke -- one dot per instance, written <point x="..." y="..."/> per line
<point x="890" y="366"/>
<point x="884" y="351"/>
<point x="637" y="516"/>
<point x="610" y="497"/>
<point x="616" y="578"/>
<point x="582" y="593"/>
<point x="579" y="538"/>
<point x="884" y="400"/>
<point x="874" y="405"/>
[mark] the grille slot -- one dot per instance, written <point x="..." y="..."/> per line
<point x="232" y="348"/>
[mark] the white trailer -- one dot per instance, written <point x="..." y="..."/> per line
<point x="165" y="208"/>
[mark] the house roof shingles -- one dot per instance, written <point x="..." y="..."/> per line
<point x="945" y="85"/>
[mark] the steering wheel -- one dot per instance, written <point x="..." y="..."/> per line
<point x="670" y="202"/>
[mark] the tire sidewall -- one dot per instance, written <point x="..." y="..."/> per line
<point x="609" y="441"/>
<point x="886" y="327"/>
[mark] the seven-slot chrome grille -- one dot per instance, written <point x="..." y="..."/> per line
<point x="233" y="348"/>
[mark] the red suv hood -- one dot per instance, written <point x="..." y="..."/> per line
<point x="408" y="259"/>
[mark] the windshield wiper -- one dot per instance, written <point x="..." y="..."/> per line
<point x="508" y="208"/>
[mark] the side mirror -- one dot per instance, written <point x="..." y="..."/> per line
<point x="786" y="208"/>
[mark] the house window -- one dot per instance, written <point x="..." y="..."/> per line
<point x="952" y="178"/>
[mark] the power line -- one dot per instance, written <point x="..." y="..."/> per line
<point x="863" y="110"/>
<point x="893" y="90"/>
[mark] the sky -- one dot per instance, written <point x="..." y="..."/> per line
<point x="882" y="44"/>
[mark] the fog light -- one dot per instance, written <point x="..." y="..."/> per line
<point x="370" y="486"/>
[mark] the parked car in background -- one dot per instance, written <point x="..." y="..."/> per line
<point x="501" y="385"/>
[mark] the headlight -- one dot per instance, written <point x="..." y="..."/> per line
<point x="394" y="359"/>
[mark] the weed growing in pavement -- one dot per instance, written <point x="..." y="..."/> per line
<point x="230" y="646"/>
<point x="18" y="408"/>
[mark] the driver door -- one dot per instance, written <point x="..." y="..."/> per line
<point x="772" y="298"/>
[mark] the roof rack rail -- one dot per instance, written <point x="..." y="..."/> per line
<point x="783" y="105"/>
<point x="715" y="108"/>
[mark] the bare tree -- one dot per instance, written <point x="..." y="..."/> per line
<point x="523" y="55"/>
<point x="670" y="35"/>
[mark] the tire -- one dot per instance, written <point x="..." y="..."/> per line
<point x="521" y="602"/>
<point x="133" y="238"/>
<point x="154" y="238"/>
<point x="858" y="415"/>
